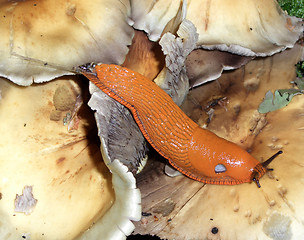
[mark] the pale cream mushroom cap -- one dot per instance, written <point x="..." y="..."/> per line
<point x="185" y="209"/>
<point x="251" y="28"/>
<point x="53" y="182"/>
<point x="71" y="184"/>
<point x="155" y="17"/>
<point x="264" y="30"/>
<point x="41" y="40"/>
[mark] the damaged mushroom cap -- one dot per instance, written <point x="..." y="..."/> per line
<point x="265" y="30"/>
<point x="52" y="173"/>
<point x="274" y="211"/>
<point x="122" y="158"/>
<point x="120" y="136"/>
<point x="157" y="17"/>
<point x="173" y="79"/>
<point x="251" y="28"/>
<point x="46" y="39"/>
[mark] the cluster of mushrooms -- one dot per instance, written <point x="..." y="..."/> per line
<point x="58" y="180"/>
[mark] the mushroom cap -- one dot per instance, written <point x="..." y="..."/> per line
<point x="157" y="17"/>
<point x="173" y="78"/>
<point x="52" y="173"/>
<point x="120" y="135"/>
<point x="46" y="39"/>
<point x="251" y="28"/>
<point x="62" y="170"/>
<point x="122" y="150"/>
<point x="185" y="209"/>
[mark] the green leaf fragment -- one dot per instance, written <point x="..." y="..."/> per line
<point x="290" y="92"/>
<point x="300" y="83"/>
<point x="300" y="69"/>
<point x="280" y="99"/>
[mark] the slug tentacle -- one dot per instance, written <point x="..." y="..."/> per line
<point x="196" y="152"/>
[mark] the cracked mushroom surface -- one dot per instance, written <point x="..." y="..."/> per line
<point x="42" y="40"/>
<point x="179" y="208"/>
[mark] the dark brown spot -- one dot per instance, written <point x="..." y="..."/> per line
<point x="60" y="160"/>
<point x="146" y="214"/>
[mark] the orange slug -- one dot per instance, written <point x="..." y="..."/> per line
<point x="196" y="152"/>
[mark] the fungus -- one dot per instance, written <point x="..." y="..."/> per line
<point x="64" y="170"/>
<point x="173" y="78"/>
<point x="75" y="177"/>
<point x="22" y="65"/>
<point x="204" y="65"/>
<point x="263" y="30"/>
<point x="254" y="28"/>
<point x="46" y="39"/>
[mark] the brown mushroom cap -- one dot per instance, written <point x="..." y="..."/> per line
<point x="41" y="40"/>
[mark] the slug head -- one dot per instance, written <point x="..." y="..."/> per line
<point x="262" y="167"/>
<point x="214" y="160"/>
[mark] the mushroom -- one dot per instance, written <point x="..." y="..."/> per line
<point x="252" y="28"/>
<point x="259" y="30"/>
<point x="75" y="31"/>
<point x="40" y="66"/>
<point x="181" y="208"/>
<point x="54" y="171"/>
<point x="46" y="39"/>
<point x="255" y="28"/>
<point x="48" y="173"/>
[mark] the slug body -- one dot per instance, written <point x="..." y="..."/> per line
<point x="196" y="152"/>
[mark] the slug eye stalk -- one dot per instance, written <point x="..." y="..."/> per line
<point x="262" y="169"/>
